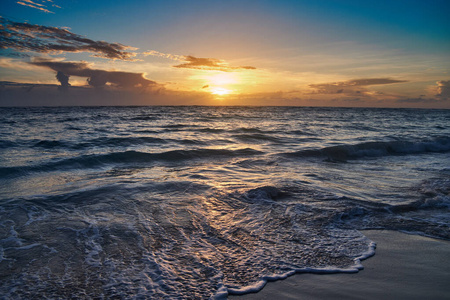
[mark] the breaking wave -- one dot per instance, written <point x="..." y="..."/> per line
<point x="377" y="149"/>
<point x="129" y="157"/>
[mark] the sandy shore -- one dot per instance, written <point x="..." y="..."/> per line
<point x="404" y="267"/>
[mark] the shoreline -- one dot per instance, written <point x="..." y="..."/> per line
<point x="404" y="266"/>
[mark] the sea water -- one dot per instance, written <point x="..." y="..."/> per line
<point x="199" y="202"/>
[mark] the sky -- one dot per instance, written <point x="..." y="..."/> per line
<point x="298" y="53"/>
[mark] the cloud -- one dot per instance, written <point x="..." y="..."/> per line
<point x="443" y="89"/>
<point x="22" y="94"/>
<point x="15" y="64"/>
<point x="356" y="86"/>
<point x="96" y="78"/>
<point x="41" y="5"/>
<point x="63" y="79"/>
<point x="442" y="96"/>
<point x="209" y="64"/>
<point x="192" y="62"/>
<point x="370" y="81"/>
<point x="45" y="39"/>
<point x="165" y="55"/>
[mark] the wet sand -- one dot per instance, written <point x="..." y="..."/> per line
<point x="404" y="267"/>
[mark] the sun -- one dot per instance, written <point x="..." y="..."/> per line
<point x="220" y="84"/>
<point x="220" y="91"/>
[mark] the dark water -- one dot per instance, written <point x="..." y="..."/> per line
<point x="198" y="202"/>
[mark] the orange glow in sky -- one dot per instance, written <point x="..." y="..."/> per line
<point x="294" y="53"/>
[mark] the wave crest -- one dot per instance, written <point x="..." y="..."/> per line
<point x="377" y="149"/>
<point x="128" y="157"/>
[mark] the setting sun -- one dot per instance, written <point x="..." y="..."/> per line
<point x="220" y="91"/>
<point x="220" y="84"/>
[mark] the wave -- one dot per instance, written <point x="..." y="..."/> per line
<point x="109" y="142"/>
<point x="179" y="127"/>
<point x="50" y="144"/>
<point x="69" y="119"/>
<point x="244" y="132"/>
<point x="435" y="194"/>
<point x="7" y="144"/>
<point x="377" y="149"/>
<point x="248" y="130"/>
<point x="190" y="142"/>
<point x="300" y="132"/>
<point x="212" y="130"/>
<point x="128" y="157"/>
<point x="256" y="137"/>
<point x="265" y="193"/>
<point x="142" y="118"/>
<point x="102" y="142"/>
<point x="122" y="141"/>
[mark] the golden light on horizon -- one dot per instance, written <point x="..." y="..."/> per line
<point x="219" y="83"/>
<point x="220" y="91"/>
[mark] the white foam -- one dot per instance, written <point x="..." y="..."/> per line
<point x="259" y="285"/>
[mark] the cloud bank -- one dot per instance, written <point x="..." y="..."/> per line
<point x="351" y="86"/>
<point x="22" y="94"/>
<point x="96" y="78"/>
<point x="45" y="39"/>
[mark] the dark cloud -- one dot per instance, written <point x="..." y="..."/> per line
<point x="45" y="39"/>
<point x="63" y="79"/>
<point x="96" y="78"/>
<point x="443" y="89"/>
<point x="442" y="96"/>
<point x="209" y="64"/>
<point x="369" y="81"/>
<point x="355" y="86"/>
<point x="22" y="94"/>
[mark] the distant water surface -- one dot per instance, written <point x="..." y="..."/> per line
<point x="198" y="202"/>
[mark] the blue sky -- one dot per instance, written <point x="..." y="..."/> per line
<point x="293" y="47"/>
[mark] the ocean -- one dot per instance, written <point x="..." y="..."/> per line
<point x="201" y="202"/>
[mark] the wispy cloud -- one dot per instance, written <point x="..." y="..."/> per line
<point x="209" y="64"/>
<point x="41" y="5"/>
<point x="192" y="62"/>
<point x="45" y="39"/>
<point x="165" y="55"/>
<point x="96" y="78"/>
<point x="351" y="86"/>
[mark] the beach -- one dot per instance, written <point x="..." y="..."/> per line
<point x="404" y="267"/>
